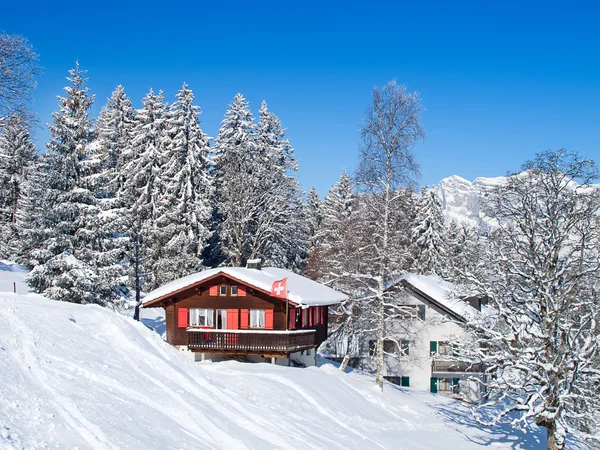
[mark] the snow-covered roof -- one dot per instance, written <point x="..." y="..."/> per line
<point x="442" y="292"/>
<point x="301" y="290"/>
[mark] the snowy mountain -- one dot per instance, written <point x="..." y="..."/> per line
<point x="460" y="197"/>
<point x="84" y="376"/>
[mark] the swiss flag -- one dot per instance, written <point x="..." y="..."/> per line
<point x="279" y="288"/>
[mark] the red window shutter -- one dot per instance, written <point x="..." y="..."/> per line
<point x="269" y="319"/>
<point x="292" y="324"/>
<point x="182" y="317"/>
<point x="213" y="291"/>
<point x="232" y="319"/>
<point x="241" y="291"/>
<point x="244" y="313"/>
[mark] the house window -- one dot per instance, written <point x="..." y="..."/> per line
<point x="317" y="315"/>
<point x="305" y="321"/>
<point x="400" y="381"/>
<point x="448" y="385"/>
<point x="421" y="314"/>
<point x="201" y="317"/>
<point x="234" y="290"/>
<point x="389" y="346"/>
<point x="444" y="349"/>
<point x="222" y="290"/>
<point x="257" y="318"/>
<point x="393" y="380"/>
<point x="372" y="348"/>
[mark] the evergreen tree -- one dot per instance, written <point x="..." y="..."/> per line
<point x="114" y="130"/>
<point x="237" y="187"/>
<point x="185" y="208"/>
<point x="429" y="235"/>
<point x="313" y="214"/>
<point x="143" y="184"/>
<point x="278" y="232"/>
<point x="17" y="160"/>
<point x="69" y="254"/>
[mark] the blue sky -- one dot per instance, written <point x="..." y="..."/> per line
<point x="500" y="80"/>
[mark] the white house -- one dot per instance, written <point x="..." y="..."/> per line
<point x="423" y="340"/>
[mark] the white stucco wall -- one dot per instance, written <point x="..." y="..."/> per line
<point x="418" y="365"/>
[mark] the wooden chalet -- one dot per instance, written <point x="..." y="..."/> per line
<point x="231" y="313"/>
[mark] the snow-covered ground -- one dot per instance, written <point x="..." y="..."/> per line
<point x="74" y="376"/>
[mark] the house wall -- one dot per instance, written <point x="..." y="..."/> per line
<point x="418" y="365"/>
<point x="199" y="297"/>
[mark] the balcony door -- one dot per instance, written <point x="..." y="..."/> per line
<point x="221" y="319"/>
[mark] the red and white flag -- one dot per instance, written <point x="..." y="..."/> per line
<point x="279" y="288"/>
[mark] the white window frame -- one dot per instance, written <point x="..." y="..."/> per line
<point x="199" y="315"/>
<point x="234" y="294"/>
<point x="221" y="290"/>
<point x="256" y="317"/>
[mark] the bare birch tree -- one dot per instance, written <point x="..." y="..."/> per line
<point x="18" y="69"/>
<point x="390" y="130"/>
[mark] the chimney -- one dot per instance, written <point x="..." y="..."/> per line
<point x="253" y="264"/>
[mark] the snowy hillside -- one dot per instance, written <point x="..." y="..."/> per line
<point x="83" y="376"/>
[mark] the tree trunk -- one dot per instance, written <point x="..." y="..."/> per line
<point x="379" y="350"/>
<point x="345" y="362"/>
<point x="552" y="442"/>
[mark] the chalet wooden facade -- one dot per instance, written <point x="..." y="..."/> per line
<point x="231" y="313"/>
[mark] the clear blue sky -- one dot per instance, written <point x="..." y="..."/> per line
<point x="500" y="80"/>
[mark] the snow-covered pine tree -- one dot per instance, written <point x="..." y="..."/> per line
<point x="68" y="257"/>
<point x="313" y="217"/>
<point x="237" y="189"/>
<point x="541" y="276"/>
<point x="17" y="161"/>
<point x="143" y="184"/>
<point x="114" y="132"/>
<point x="186" y="205"/>
<point x="336" y="254"/>
<point x="428" y="235"/>
<point x="278" y="232"/>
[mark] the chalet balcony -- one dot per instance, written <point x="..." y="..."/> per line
<point x="456" y="367"/>
<point x="249" y="341"/>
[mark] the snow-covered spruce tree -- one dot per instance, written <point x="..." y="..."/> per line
<point x="144" y="185"/>
<point x="185" y="207"/>
<point x="313" y="217"/>
<point x="258" y="198"/>
<point x="390" y="130"/>
<point x="543" y="347"/>
<point x="313" y="214"/>
<point x="237" y="193"/>
<point x="70" y="255"/>
<point x="278" y="232"/>
<point x="336" y="252"/>
<point x="17" y="160"/>
<point x="428" y="235"/>
<point x="114" y="131"/>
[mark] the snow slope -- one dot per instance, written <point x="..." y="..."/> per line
<point x="11" y="273"/>
<point x="83" y="376"/>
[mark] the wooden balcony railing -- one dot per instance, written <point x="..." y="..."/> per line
<point x="250" y="341"/>
<point x="456" y="366"/>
